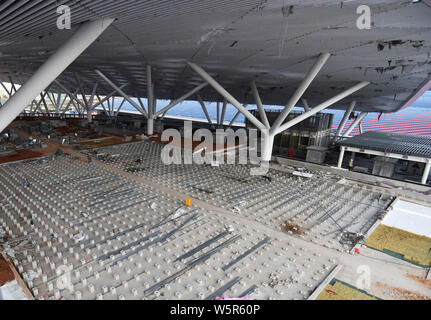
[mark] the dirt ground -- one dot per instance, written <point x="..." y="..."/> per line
<point x="6" y="274"/>
<point x="421" y="280"/>
<point x="397" y="293"/>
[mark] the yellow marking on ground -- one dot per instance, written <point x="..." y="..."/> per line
<point x="415" y="248"/>
<point x="340" y="291"/>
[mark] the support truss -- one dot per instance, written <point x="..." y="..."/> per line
<point x="268" y="132"/>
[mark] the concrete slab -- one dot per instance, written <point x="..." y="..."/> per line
<point x="410" y="217"/>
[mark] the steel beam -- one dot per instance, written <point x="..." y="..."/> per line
<point x="341" y="157"/>
<point x="234" y="118"/>
<point x="226" y="95"/>
<point x="121" y="106"/>
<point x="102" y="101"/>
<point x="426" y="173"/>
<point x="150" y="118"/>
<point x="218" y="113"/>
<point x="259" y="104"/>
<point x="68" y="105"/>
<point x="122" y="93"/>
<point x="354" y="124"/>
<point x="184" y="97"/>
<point x="90" y="104"/>
<point x="319" y="108"/>
<point x="345" y="119"/>
<point x="306" y="106"/>
<point x="73" y="96"/>
<point x="204" y="108"/>
<point x="321" y="61"/>
<point x="223" y="112"/>
<point x="81" y="88"/>
<point x="267" y="145"/>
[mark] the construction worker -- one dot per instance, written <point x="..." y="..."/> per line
<point x="351" y="164"/>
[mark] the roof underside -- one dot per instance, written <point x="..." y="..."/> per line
<point x="409" y="145"/>
<point x="273" y="42"/>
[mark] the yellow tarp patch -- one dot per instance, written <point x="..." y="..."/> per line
<point x="415" y="248"/>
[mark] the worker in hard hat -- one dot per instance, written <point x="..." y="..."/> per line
<point x="351" y="164"/>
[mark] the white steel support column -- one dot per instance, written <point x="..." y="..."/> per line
<point x="267" y="145"/>
<point x="355" y="123"/>
<point x="122" y="93"/>
<point x="120" y="107"/>
<point x="218" y="113"/>
<point x="227" y="95"/>
<point x="268" y="134"/>
<point x="69" y="103"/>
<point x="204" y="108"/>
<point x="341" y="158"/>
<point x="223" y="112"/>
<point x="150" y="94"/>
<point x="102" y="101"/>
<point x="234" y="118"/>
<point x="426" y="173"/>
<point x="259" y="104"/>
<point x="73" y="96"/>
<point x="319" y="108"/>
<point x="52" y="68"/>
<point x="345" y="119"/>
<point x="184" y="97"/>
<point x="90" y="104"/>
<point x="306" y="106"/>
<point x="321" y="61"/>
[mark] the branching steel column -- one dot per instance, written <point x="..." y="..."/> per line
<point x="69" y="104"/>
<point x="218" y="113"/>
<point x="345" y="119"/>
<point x="267" y="145"/>
<point x="204" y="108"/>
<point x="44" y="101"/>
<point x="120" y="107"/>
<point x="320" y="108"/>
<point x="426" y="173"/>
<point x="234" y="118"/>
<point x="227" y="95"/>
<point x="81" y="88"/>
<point x="223" y="112"/>
<point x="102" y="101"/>
<point x="341" y="157"/>
<point x="321" y="61"/>
<point x="150" y="120"/>
<point x="184" y="97"/>
<point x="355" y="123"/>
<point x="52" y="68"/>
<point x="259" y="104"/>
<point x="90" y="104"/>
<point x="122" y="93"/>
<point x="306" y="106"/>
<point x="73" y="96"/>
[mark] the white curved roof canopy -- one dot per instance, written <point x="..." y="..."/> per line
<point x="272" y="42"/>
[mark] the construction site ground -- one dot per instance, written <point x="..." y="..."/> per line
<point x="337" y="290"/>
<point x="128" y="247"/>
<point x="409" y="246"/>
